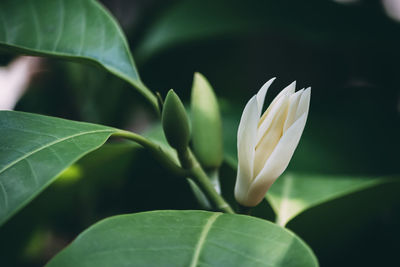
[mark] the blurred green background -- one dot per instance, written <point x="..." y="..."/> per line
<point x="347" y="51"/>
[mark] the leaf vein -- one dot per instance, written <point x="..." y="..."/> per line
<point x="61" y="25"/>
<point x="48" y="145"/>
<point x="242" y="234"/>
<point x="242" y="254"/>
<point x="56" y="155"/>
<point x="4" y="25"/>
<point x="36" y="24"/>
<point x="3" y="189"/>
<point x="103" y="40"/>
<point x="32" y="132"/>
<point x="282" y="216"/>
<point x="202" y="239"/>
<point x="33" y="172"/>
<point x="83" y="31"/>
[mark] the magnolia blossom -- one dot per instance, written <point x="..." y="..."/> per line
<point x="266" y="143"/>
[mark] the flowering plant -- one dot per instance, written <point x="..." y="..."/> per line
<point x="93" y="137"/>
<point x="266" y="144"/>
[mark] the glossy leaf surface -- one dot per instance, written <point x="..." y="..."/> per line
<point x="34" y="149"/>
<point x="293" y="194"/>
<point x="185" y="22"/>
<point x="185" y="238"/>
<point x="74" y="29"/>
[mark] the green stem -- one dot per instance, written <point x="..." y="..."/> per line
<point x="184" y="158"/>
<point x="148" y="94"/>
<point x="196" y="172"/>
<point x="204" y="183"/>
<point x="192" y="168"/>
<point x="155" y="149"/>
<point x="214" y="178"/>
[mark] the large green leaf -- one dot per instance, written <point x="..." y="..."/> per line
<point x="293" y="194"/>
<point x="83" y="193"/>
<point x="199" y="20"/>
<point x="34" y="149"/>
<point x="185" y="238"/>
<point x="76" y="29"/>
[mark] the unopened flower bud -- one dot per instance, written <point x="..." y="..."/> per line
<point x="175" y="122"/>
<point x="207" y="125"/>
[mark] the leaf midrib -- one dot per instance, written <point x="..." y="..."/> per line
<point x="202" y="238"/>
<point x="284" y="205"/>
<point x="49" y="145"/>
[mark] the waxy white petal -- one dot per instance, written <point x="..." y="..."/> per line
<point x="278" y="161"/>
<point x="247" y="134"/>
<point x="261" y="95"/>
<point x="293" y="104"/>
<point x="271" y="136"/>
<point x="14" y="80"/>
<point x="304" y="103"/>
<point x="263" y="159"/>
<point x="287" y="91"/>
<point x="269" y="115"/>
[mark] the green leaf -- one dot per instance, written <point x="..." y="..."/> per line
<point x="74" y="29"/>
<point x="89" y="186"/>
<point x="34" y="149"/>
<point x="293" y="194"/>
<point x="185" y="238"/>
<point x="204" y="20"/>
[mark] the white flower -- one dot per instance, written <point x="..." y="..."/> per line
<point x="266" y="144"/>
<point x="14" y="80"/>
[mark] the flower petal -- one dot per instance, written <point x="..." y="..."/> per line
<point x="293" y="104"/>
<point x="272" y="135"/>
<point x="278" y="161"/>
<point x="246" y="142"/>
<point x="272" y="111"/>
<point x="261" y="95"/>
<point x="304" y="103"/>
<point x="264" y="123"/>
<point x="288" y="90"/>
<point x="14" y="80"/>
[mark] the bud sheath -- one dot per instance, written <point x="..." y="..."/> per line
<point x="207" y="124"/>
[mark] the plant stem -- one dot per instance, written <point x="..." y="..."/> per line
<point x="185" y="159"/>
<point x="205" y="184"/>
<point x="196" y="172"/>
<point x="190" y="163"/>
<point x="155" y="149"/>
<point x="214" y="178"/>
<point x="152" y="99"/>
